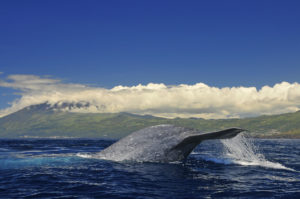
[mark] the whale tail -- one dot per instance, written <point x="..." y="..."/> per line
<point x="188" y="144"/>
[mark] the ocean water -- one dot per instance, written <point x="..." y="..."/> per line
<point x="235" y="168"/>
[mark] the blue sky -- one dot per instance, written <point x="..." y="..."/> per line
<point x="110" y="43"/>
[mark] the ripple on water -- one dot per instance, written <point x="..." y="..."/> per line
<point x="210" y="172"/>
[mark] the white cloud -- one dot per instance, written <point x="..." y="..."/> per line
<point x="198" y="100"/>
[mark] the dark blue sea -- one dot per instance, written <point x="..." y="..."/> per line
<point x="53" y="168"/>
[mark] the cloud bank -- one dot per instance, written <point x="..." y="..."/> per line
<point x="198" y="100"/>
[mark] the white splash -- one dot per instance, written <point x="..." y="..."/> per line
<point x="84" y="155"/>
<point x="241" y="150"/>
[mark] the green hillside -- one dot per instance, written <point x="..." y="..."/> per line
<point x="38" y="121"/>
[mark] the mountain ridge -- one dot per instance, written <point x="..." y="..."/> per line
<point x="44" y="120"/>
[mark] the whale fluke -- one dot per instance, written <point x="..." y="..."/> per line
<point x="187" y="145"/>
<point x="161" y="143"/>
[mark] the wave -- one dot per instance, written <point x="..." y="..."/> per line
<point x="36" y="161"/>
<point x="266" y="163"/>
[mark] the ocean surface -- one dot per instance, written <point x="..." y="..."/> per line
<point x="235" y="168"/>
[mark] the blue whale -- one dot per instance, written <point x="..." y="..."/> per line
<point x="161" y="143"/>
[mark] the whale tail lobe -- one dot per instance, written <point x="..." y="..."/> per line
<point x="188" y="144"/>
